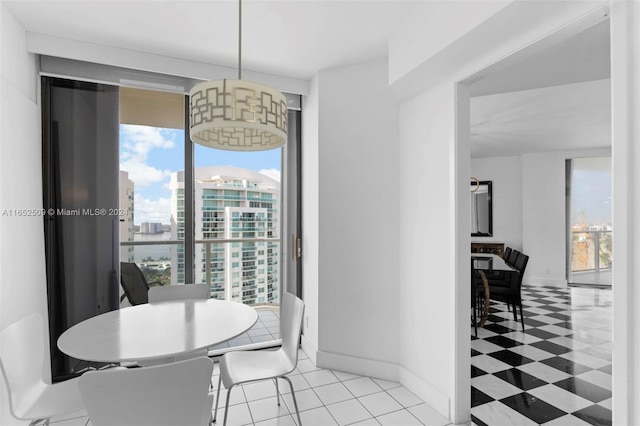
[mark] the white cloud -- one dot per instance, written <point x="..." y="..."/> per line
<point x="143" y="174"/>
<point x="152" y="210"/>
<point x="272" y="173"/>
<point x="139" y="140"/>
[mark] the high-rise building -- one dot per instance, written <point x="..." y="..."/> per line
<point x="151" y="228"/>
<point x="230" y="204"/>
<point x="127" y="229"/>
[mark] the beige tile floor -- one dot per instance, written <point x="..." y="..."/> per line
<point x="325" y="397"/>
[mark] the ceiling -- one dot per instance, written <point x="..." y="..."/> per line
<point x="554" y="99"/>
<point x="582" y="57"/>
<point x="567" y="117"/>
<point x="290" y="38"/>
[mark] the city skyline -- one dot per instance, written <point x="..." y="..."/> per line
<point x="151" y="154"/>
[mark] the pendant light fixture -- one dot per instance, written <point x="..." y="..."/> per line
<point x="238" y="115"/>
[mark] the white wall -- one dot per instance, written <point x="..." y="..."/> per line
<point x="421" y="38"/>
<point x="625" y="102"/>
<point x="427" y="267"/>
<point x="358" y="219"/>
<point x="544" y="218"/>
<point x="22" y="268"/>
<point x="467" y="42"/>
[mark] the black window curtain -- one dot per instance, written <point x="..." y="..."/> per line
<point x="80" y="190"/>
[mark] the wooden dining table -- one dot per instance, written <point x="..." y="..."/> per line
<point x="484" y="264"/>
<point x="153" y="331"/>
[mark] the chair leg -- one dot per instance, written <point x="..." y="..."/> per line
<point x="215" y="412"/>
<point x="277" y="390"/>
<point x="293" y="395"/>
<point x="475" y="319"/>
<point x="226" y="407"/>
<point x="44" y="422"/>
<point x="521" y="317"/>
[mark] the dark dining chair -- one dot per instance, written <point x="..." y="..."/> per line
<point x="134" y="284"/>
<point x="511" y="260"/>
<point x="509" y="290"/>
<point x="500" y="278"/>
<point x="507" y="253"/>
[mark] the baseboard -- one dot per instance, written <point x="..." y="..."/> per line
<point x="360" y="366"/>
<point x="387" y="371"/>
<point x="309" y="349"/>
<point x="545" y="282"/>
<point x="426" y="392"/>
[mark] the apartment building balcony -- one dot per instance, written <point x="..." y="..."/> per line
<point x="591" y="257"/>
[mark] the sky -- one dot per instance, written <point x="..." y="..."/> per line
<point x="591" y="190"/>
<point x="150" y="155"/>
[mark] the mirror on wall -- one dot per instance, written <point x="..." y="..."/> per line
<point x="481" y="209"/>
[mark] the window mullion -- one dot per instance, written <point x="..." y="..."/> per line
<point x="189" y="213"/>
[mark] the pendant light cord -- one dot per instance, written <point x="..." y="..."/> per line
<point x="239" y="39"/>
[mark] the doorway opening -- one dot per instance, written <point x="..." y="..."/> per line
<point x="521" y="126"/>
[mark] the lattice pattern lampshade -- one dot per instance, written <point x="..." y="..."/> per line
<point x="238" y="115"/>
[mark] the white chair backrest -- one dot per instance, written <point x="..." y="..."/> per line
<point x="291" y="313"/>
<point x="178" y="292"/>
<point x="21" y="359"/>
<point x="169" y="394"/>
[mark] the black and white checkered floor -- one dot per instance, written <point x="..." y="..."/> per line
<point x="557" y="372"/>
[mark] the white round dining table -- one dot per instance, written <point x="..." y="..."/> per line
<point x="156" y="330"/>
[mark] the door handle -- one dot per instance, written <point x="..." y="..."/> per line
<point x="297" y="247"/>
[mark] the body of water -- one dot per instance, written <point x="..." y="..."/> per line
<point x="153" y="252"/>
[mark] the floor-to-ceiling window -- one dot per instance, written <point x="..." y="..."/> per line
<point x="589" y="224"/>
<point x="236" y="210"/>
<point x="188" y="213"/>
<point x="152" y="149"/>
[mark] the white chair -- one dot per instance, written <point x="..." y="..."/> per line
<point x="169" y="394"/>
<point x="21" y="361"/>
<point x="249" y="366"/>
<point x="178" y="292"/>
